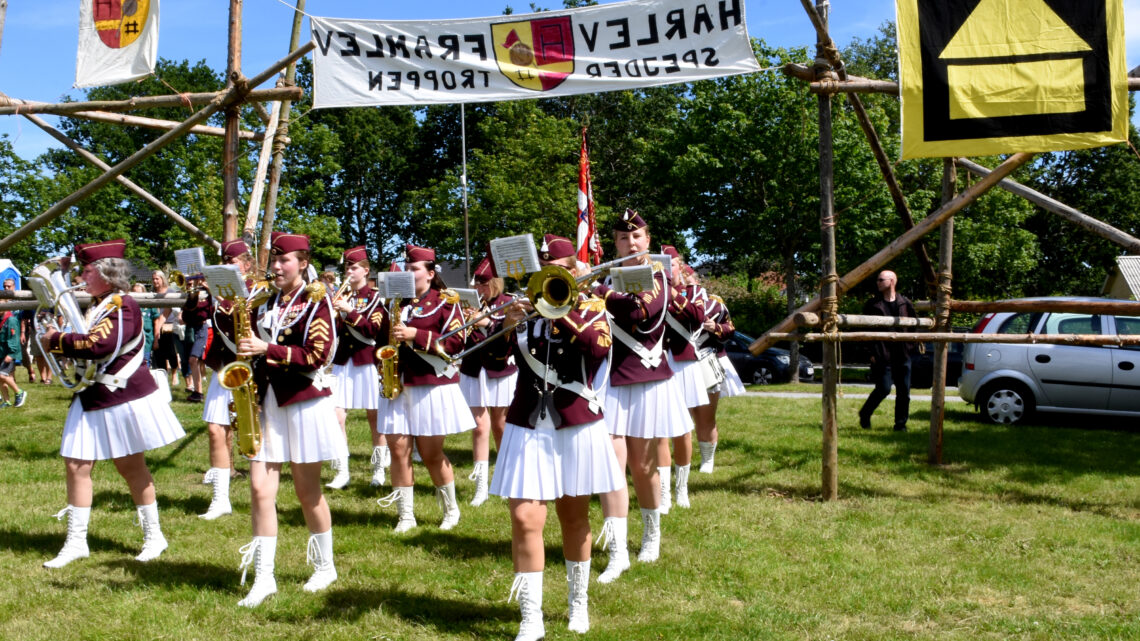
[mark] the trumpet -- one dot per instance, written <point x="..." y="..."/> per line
<point x="188" y="284"/>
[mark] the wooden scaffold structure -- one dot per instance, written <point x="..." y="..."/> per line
<point x="239" y="90"/>
<point x="827" y="77"/>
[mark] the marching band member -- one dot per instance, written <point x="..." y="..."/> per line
<point x="431" y="405"/>
<point x="555" y="446"/>
<point x="682" y="333"/>
<point x="640" y="405"/>
<point x="119" y="416"/>
<point x="294" y="334"/>
<point x="358" y="324"/>
<point x="718" y="327"/>
<point x="221" y="352"/>
<point x="487" y="379"/>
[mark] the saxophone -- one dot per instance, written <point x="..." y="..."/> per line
<point x="237" y="377"/>
<point x="389" y="357"/>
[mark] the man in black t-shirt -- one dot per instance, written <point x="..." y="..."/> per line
<point x="890" y="362"/>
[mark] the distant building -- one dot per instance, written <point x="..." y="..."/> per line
<point x="1124" y="281"/>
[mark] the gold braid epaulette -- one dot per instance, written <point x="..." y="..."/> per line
<point x="116" y="303"/>
<point x="592" y="304"/>
<point x="449" y="296"/>
<point x="717" y="298"/>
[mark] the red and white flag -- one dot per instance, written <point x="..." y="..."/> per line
<point x="118" y="41"/>
<point x="589" y="249"/>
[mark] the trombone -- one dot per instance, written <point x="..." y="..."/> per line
<point x="537" y="283"/>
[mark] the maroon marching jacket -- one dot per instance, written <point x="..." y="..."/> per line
<point x="497" y="362"/>
<point x="641" y="316"/>
<point x="220" y="313"/>
<point x="99" y="343"/>
<point x="578" y="345"/>
<point x="718" y="312"/>
<point x="431" y="316"/>
<point x="690" y="313"/>
<point x="295" y="352"/>
<point x="367" y="319"/>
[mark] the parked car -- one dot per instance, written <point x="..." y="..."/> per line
<point x="773" y="365"/>
<point x="1007" y="383"/>
<point x="922" y="366"/>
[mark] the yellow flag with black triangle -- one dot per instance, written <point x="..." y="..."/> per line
<point x="985" y="77"/>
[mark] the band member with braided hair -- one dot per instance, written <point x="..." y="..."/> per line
<point x="487" y="378"/>
<point x="220" y="352"/>
<point x="358" y="324"/>
<point x="431" y="405"/>
<point x="718" y="328"/>
<point x="120" y="415"/>
<point x="292" y="342"/>
<point x="556" y="446"/>
<point x="641" y="405"/>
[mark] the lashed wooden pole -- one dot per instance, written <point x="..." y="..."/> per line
<point x="233" y="120"/>
<point x="942" y="318"/>
<point x="13" y="106"/>
<point x="157" y="123"/>
<point x="124" y="181"/>
<point x="221" y="100"/>
<point x="899" y="245"/>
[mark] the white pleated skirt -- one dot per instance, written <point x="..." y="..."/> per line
<point x="428" y="410"/>
<point x="357" y="387"/>
<point x="647" y="410"/>
<point x="484" y="391"/>
<point x="732" y="385"/>
<point x="121" y="430"/>
<point x="545" y="464"/>
<point x="390" y="419"/>
<point x="216" y="408"/>
<point x="689" y="381"/>
<point x="304" y="432"/>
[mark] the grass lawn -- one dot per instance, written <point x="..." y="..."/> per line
<point x="1025" y="533"/>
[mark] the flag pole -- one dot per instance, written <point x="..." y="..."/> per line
<point x="463" y="184"/>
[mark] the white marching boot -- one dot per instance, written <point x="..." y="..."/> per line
<point x="153" y="541"/>
<point x="650" y="536"/>
<point x="320" y="556"/>
<point x="378" y="466"/>
<point x="578" y="582"/>
<point x="445" y="496"/>
<point x="75" y="546"/>
<point x="259" y="553"/>
<point x="614" y="538"/>
<point x="682" y="485"/>
<point x="479" y="475"/>
<point x="342" y="476"/>
<point x="708" y="452"/>
<point x="220" y="503"/>
<point x="403" y="498"/>
<point x="527" y="588"/>
<point x="666" y="477"/>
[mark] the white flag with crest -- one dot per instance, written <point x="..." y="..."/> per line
<point x="118" y="41"/>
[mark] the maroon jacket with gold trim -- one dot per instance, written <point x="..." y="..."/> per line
<point x="300" y="344"/>
<point x="367" y="319"/>
<point x="641" y="315"/>
<point x="690" y="313"/>
<point x="123" y="317"/>
<point x="718" y="312"/>
<point x="499" y="363"/>
<point x="431" y="316"/>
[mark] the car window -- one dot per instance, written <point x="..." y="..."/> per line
<point x="1128" y="326"/>
<point x="1072" y="324"/>
<point x="1019" y="324"/>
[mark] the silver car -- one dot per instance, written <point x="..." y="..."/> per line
<point x="1007" y="383"/>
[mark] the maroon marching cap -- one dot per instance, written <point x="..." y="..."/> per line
<point x="234" y="248"/>
<point x="355" y="255"/>
<point x="416" y="254"/>
<point x="688" y="270"/>
<point x="629" y="221"/>
<point x="485" y="270"/>
<point x="87" y="253"/>
<point x="285" y="243"/>
<point x="555" y="247"/>
<point x="671" y="251"/>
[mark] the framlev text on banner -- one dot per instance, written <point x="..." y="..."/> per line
<point x="610" y="47"/>
<point x="118" y="41"/>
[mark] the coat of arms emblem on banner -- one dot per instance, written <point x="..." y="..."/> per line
<point x="120" y="22"/>
<point x="535" y="54"/>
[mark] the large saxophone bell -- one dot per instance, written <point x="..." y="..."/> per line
<point x="552" y="290"/>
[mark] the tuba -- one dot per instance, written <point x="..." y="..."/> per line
<point x="389" y="359"/>
<point x="237" y="377"/>
<point x="49" y="282"/>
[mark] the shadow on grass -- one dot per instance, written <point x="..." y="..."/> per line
<point x="474" y="618"/>
<point x="172" y="574"/>
<point x="9" y="450"/>
<point x="48" y="544"/>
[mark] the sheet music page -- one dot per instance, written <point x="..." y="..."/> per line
<point x="225" y="281"/>
<point x="515" y="256"/>
<point x="190" y="261"/>
<point x="666" y="261"/>
<point x="39" y="288"/>
<point x="469" y="298"/>
<point x="397" y="285"/>
<point x="632" y="280"/>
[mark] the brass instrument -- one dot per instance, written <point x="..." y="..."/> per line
<point x="389" y="358"/>
<point x="187" y="284"/>
<point x="237" y="377"/>
<point x="49" y="282"/>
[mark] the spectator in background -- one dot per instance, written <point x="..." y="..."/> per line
<point x="166" y="328"/>
<point x="27" y="335"/>
<point x="149" y="314"/>
<point x="890" y="361"/>
<point x="10" y="353"/>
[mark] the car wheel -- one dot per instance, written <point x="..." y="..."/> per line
<point x="763" y="376"/>
<point x="1006" y="402"/>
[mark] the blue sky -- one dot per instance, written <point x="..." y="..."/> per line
<point x="37" y="54"/>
